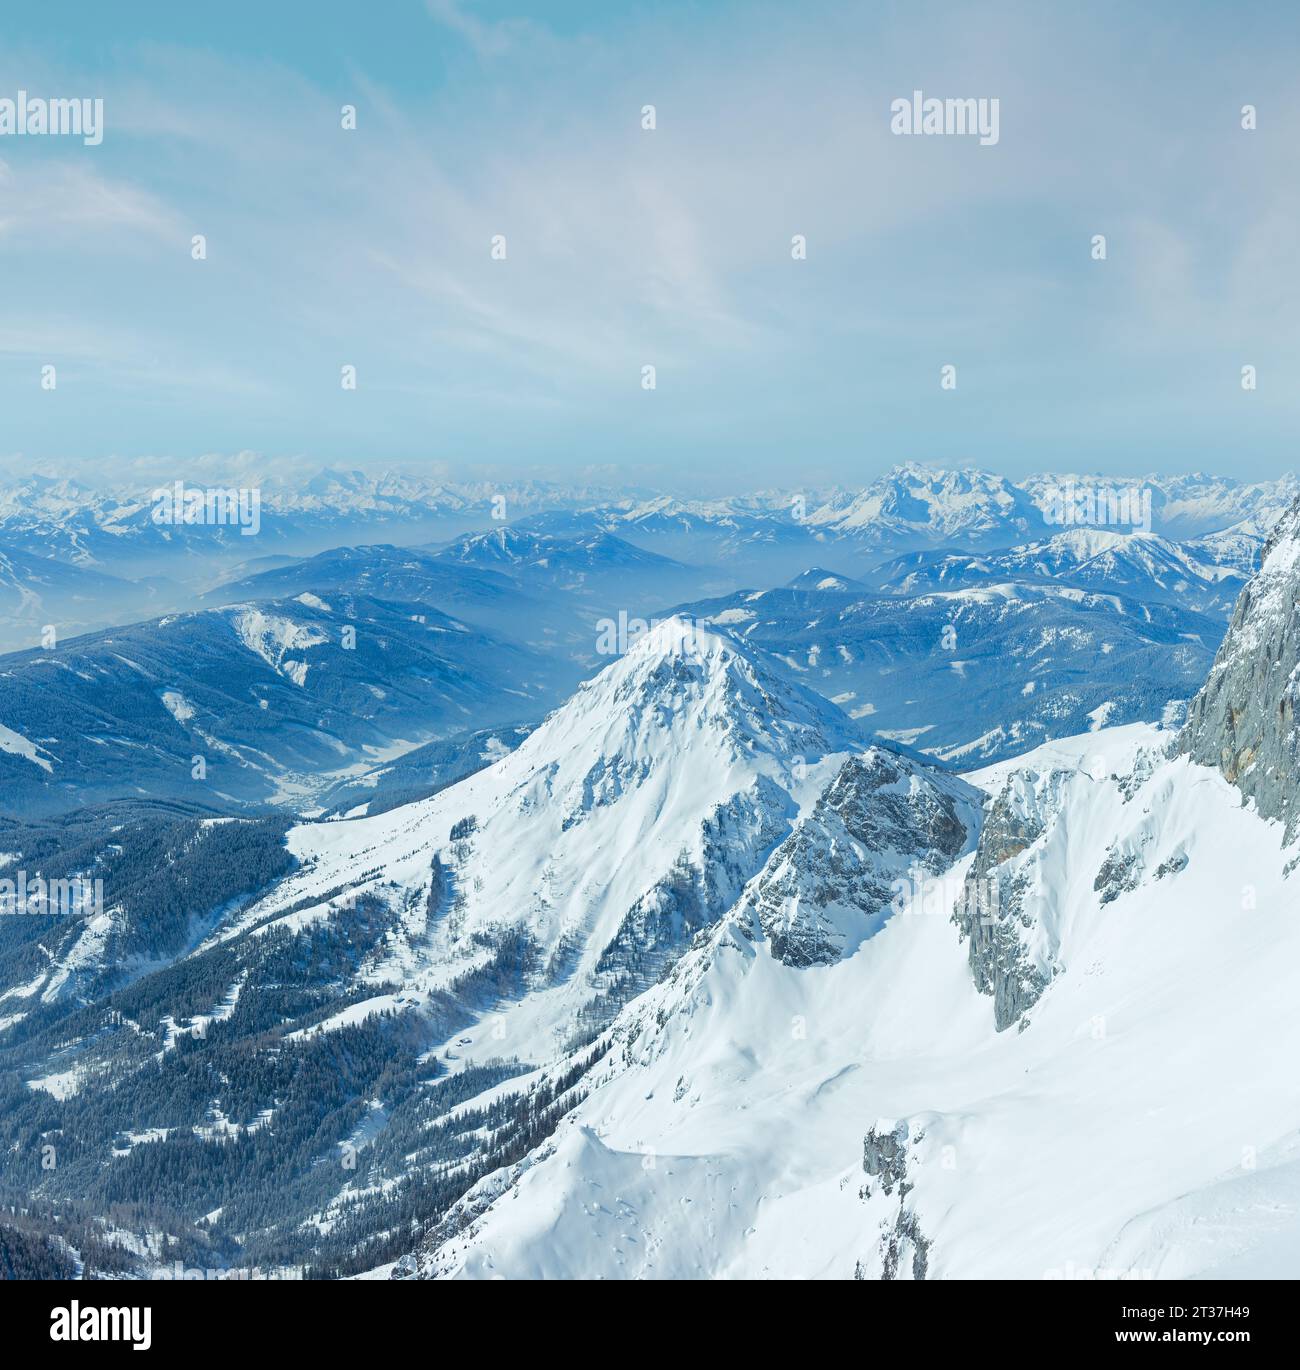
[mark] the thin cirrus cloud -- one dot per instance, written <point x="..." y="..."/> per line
<point x="670" y="248"/>
<point x="40" y="204"/>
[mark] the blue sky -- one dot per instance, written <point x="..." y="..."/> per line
<point x="669" y="248"/>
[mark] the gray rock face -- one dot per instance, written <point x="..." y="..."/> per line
<point x="904" y="1252"/>
<point x="1120" y="873"/>
<point x="884" y="1155"/>
<point x="905" y="1247"/>
<point x="1243" y="719"/>
<point x="832" y="881"/>
<point x="994" y="910"/>
<point x="1174" y="866"/>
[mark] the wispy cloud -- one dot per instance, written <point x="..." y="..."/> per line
<point x="488" y="38"/>
<point x="669" y="247"/>
<point x="48" y="202"/>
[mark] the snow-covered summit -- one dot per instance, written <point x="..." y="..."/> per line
<point x="939" y="504"/>
<point x="571" y="870"/>
<point x="687" y="681"/>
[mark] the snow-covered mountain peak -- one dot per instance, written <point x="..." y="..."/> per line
<point x="1089" y="542"/>
<point x="679" y="677"/>
<point x="567" y="875"/>
<point x="818" y="578"/>
<point x="729" y="1112"/>
<point x="934" y="504"/>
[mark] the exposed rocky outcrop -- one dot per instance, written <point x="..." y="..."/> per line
<point x="993" y="909"/>
<point x="1173" y="866"/>
<point x="1120" y="873"/>
<point x="831" y="882"/>
<point x="905" y="1249"/>
<point x="884" y="1155"/>
<point x="904" y="1252"/>
<point x="1243" y="719"/>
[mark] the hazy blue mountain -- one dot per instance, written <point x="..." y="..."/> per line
<point x="422" y="772"/>
<point x="37" y="592"/>
<point x="730" y="547"/>
<point x="981" y="672"/>
<point x="594" y="564"/>
<point x="277" y="697"/>
<point x="412" y="576"/>
<point x="818" y="578"/>
<point x="113" y="528"/>
<point x="1139" y="566"/>
<point x="915" y="505"/>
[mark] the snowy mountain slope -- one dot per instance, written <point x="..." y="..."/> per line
<point x="829" y="885"/>
<point x="408" y="970"/>
<point x="915" y="507"/>
<point x="591" y="575"/>
<point x="165" y="873"/>
<point x="911" y="504"/>
<point x="693" y="978"/>
<point x="593" y="852"/>
<point x="37" y="590"/>
<point x="1048" y="1040"/>
<point x="759" y="539"/>
<point x="1182" y="506"/>
<point x="735" y="546"/>
<point x="567" y="562"/>
<point x="772" y="540"/>
<point x="730" y="1126"/>
<point x="818" y="578"/>
<point x="421" y="772"/>
<point x="113" y="528"/>
<point x="1237" y="547"/>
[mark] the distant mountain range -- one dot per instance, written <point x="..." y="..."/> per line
<point x="909" y="507"/>
<point x="967" y="651"/>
